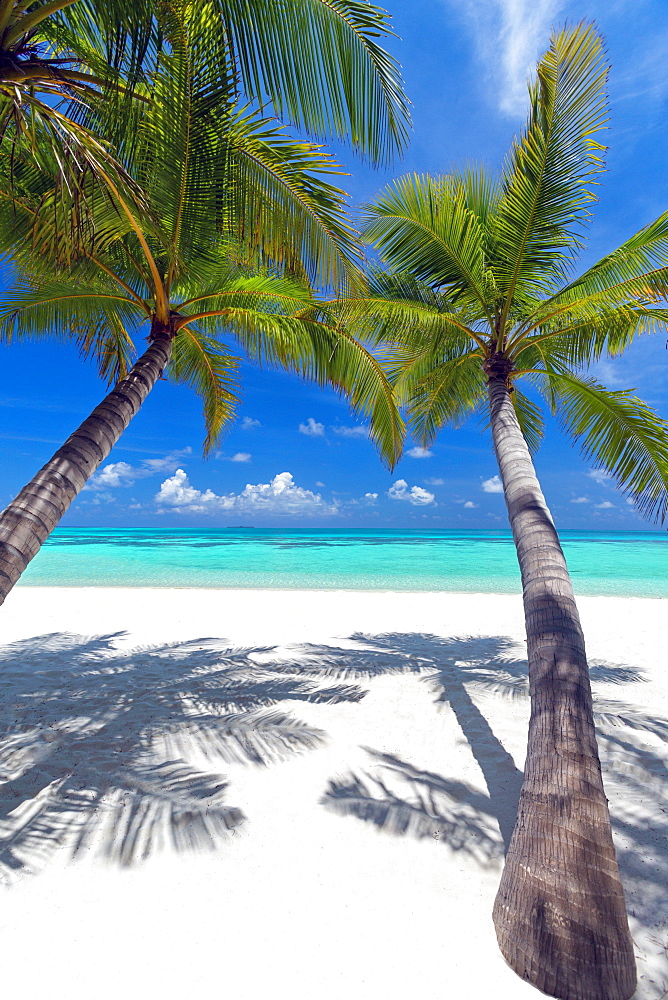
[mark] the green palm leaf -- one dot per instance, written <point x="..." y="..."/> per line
<point x="93" y="315"/>
<point x="546" y="184"/>
<point x="424" y="226"/>
<point x="448" y="394"/>
<point x="204" y="365"/>
<point x="342" y="82"/>
<point x="620" y="433"/>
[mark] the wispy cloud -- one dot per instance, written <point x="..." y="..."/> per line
<point x="599" y="475"/>
<point x="510" y="35"/>
<point x="249" y="423"/>
<point x="358" y="431"/>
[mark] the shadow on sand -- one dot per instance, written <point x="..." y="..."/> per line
<point x="403" y="799"/>
<point x="119" y="751"/>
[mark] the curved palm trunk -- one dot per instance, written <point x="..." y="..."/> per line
<point x="559" y="913"/>
<point x="33" y="514"/>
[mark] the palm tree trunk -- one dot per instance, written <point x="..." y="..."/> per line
<point x="559" y="913"/>
<point x="31" y="517"/>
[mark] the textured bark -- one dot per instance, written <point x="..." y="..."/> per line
<point x="559" y="913"/>
<point x="31" y="517"/>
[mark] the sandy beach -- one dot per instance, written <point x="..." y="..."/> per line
<point x="294" y="794"/>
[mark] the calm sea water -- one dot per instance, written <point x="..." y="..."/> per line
<point x="633" y="564"/>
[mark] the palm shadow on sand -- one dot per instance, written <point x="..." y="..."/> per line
<point x="404" y="799"/>
<point x="119" y="751"/>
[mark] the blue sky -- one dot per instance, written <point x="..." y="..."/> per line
<point x="296" y="456"/>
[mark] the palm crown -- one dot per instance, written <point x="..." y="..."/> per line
<point x="479" y="282"/>
<point x="228" y="193"/>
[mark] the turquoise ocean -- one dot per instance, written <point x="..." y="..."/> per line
<point x="625" y="564"/>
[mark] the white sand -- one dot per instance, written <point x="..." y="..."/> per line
<point x="257" y="816"/>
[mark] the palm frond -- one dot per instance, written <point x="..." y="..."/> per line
<point x="94" y="316"/>
<point x="321" y="66"/>
<point x="530" y="419"/>
<point x="620" y="433"/>
<point x="204" y="365"/>
<point x="283" y="207"/>
<point x="422" y="225"/>
<point x="320" y="350"/>
<point x="448" y="394"/>
<point x="638" y="268"/>
<point x="587" y="331"/>
<point x="547" y="180"/>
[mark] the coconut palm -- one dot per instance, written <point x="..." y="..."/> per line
<point x="247" y="222"/>
<point x="63" y="58"/>
<point x="478" y="297"/>
<point x="59" y="55"/>
<point x="48" y="73"/>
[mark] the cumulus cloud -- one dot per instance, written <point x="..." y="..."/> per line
<point x="312" y="428"/>
<point x="606" y="505"/>
<point x="113" y="475"/>
<point x="241" y="456"/>
<point x="492" y="485"/>
<point x="248" y="423"/>
<point x="510" y="35"/>
<point x="118" y="474"/>
<point x="351" y="432"/>
<point x="580" y="500"/>
<point x="470" y="505"/>
<point x="418" y="452"/>
<point x="280" y="496"/>
<point x="413" y="494"/>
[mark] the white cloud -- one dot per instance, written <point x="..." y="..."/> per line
<point x="470" y="505"/>
<point x="418" y="452"/>
<point x="434" y="481"/>
<point x="370" y="497"/>
<point x="580" y="500"/>
<point x="113" y="475"/>
<point x="413" y="494"/>
<point x="241" y="456"/>
<point x="510" y="36"/>
<point x="606" y="505"/>
<point x="169" y="463"/>
<point x="493" y="485"/>
<point x="599" y="475"/>
<point x="248" y="423"/>
<point x="318" y="483"/>
<point x="280" y="496"/>
<point x="117" y="474"/>
<point x="312" y="428"/>
<point x="351" y="432"/>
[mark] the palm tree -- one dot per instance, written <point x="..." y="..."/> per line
<point x="247" y="222"/>
<point x="59" y="55"/>
<point x="477" y="297"/>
